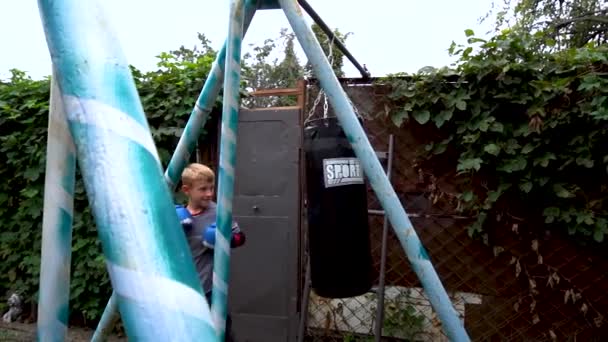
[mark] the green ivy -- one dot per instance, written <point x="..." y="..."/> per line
<point x="526" y="130"/>
<point x="168" y="96"/>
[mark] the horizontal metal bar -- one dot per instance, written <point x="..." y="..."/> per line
<point x="376" y="212"/>
<point x="268" y="5"/>
<point x="317" y="19"/>
<point x="265" y="109"/>
<point x="382" y="155"/>
<point x="276" y="92"/>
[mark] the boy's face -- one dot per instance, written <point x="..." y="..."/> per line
<point x="200" y="194"/>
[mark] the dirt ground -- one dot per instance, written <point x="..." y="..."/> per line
<point x="21" y="332"/>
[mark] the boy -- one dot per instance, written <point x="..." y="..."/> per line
<point x="198" y="184"/>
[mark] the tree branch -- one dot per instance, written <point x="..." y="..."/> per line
<point x="559" y="24"/>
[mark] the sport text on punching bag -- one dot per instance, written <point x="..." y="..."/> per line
<point x="341" y="171"/>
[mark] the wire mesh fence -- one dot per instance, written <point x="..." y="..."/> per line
<point x="510" y="286"/>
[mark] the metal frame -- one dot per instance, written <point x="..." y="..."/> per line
<point x="305" y="298"/>
<point x="155" y="284"/>
<point x="387" y="196"/>
<point x="380" y="291"/>
<point x="57" y="220"/>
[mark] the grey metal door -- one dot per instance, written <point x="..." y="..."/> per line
<point x="264" y="273"/>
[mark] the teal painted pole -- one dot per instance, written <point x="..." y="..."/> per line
<point x="198" y="117"/>
<point x="108" y="320"/>
<point x="221" y="264"/>
<point x="158" y="292"/>
<point x="374" y="172"/>
<point x="57" y="218"/>
<point x="202" y="108"/>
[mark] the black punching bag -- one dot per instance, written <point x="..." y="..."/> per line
<point x="338" y="227"/>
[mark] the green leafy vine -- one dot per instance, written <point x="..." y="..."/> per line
<point x="526" y="130"/>
<point x="168" y="96"/>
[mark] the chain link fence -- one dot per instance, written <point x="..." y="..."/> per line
<point x="509" y="286"/>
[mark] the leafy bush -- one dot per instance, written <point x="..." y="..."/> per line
<point x="527" y="129"/>
<point x="168" y="96"/>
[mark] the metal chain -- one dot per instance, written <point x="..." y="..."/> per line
<point x="352" y="104"/>
<point x="321" y="92"/>
<point x="330" y="58"/>
<point x="311" y="112"/>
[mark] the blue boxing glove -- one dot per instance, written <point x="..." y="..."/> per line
<point x="209" y="236"/>
<point x="237" y="238"/>
<point x="184" y="216"/>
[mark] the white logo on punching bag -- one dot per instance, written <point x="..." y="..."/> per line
<point x="342" y="171"/>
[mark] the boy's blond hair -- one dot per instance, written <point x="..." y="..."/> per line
<point x="196" y="172"/>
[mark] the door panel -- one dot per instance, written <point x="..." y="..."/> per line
<point x="264" y="272"/>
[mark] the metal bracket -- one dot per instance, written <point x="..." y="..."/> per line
<point x="268" y="4"/>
